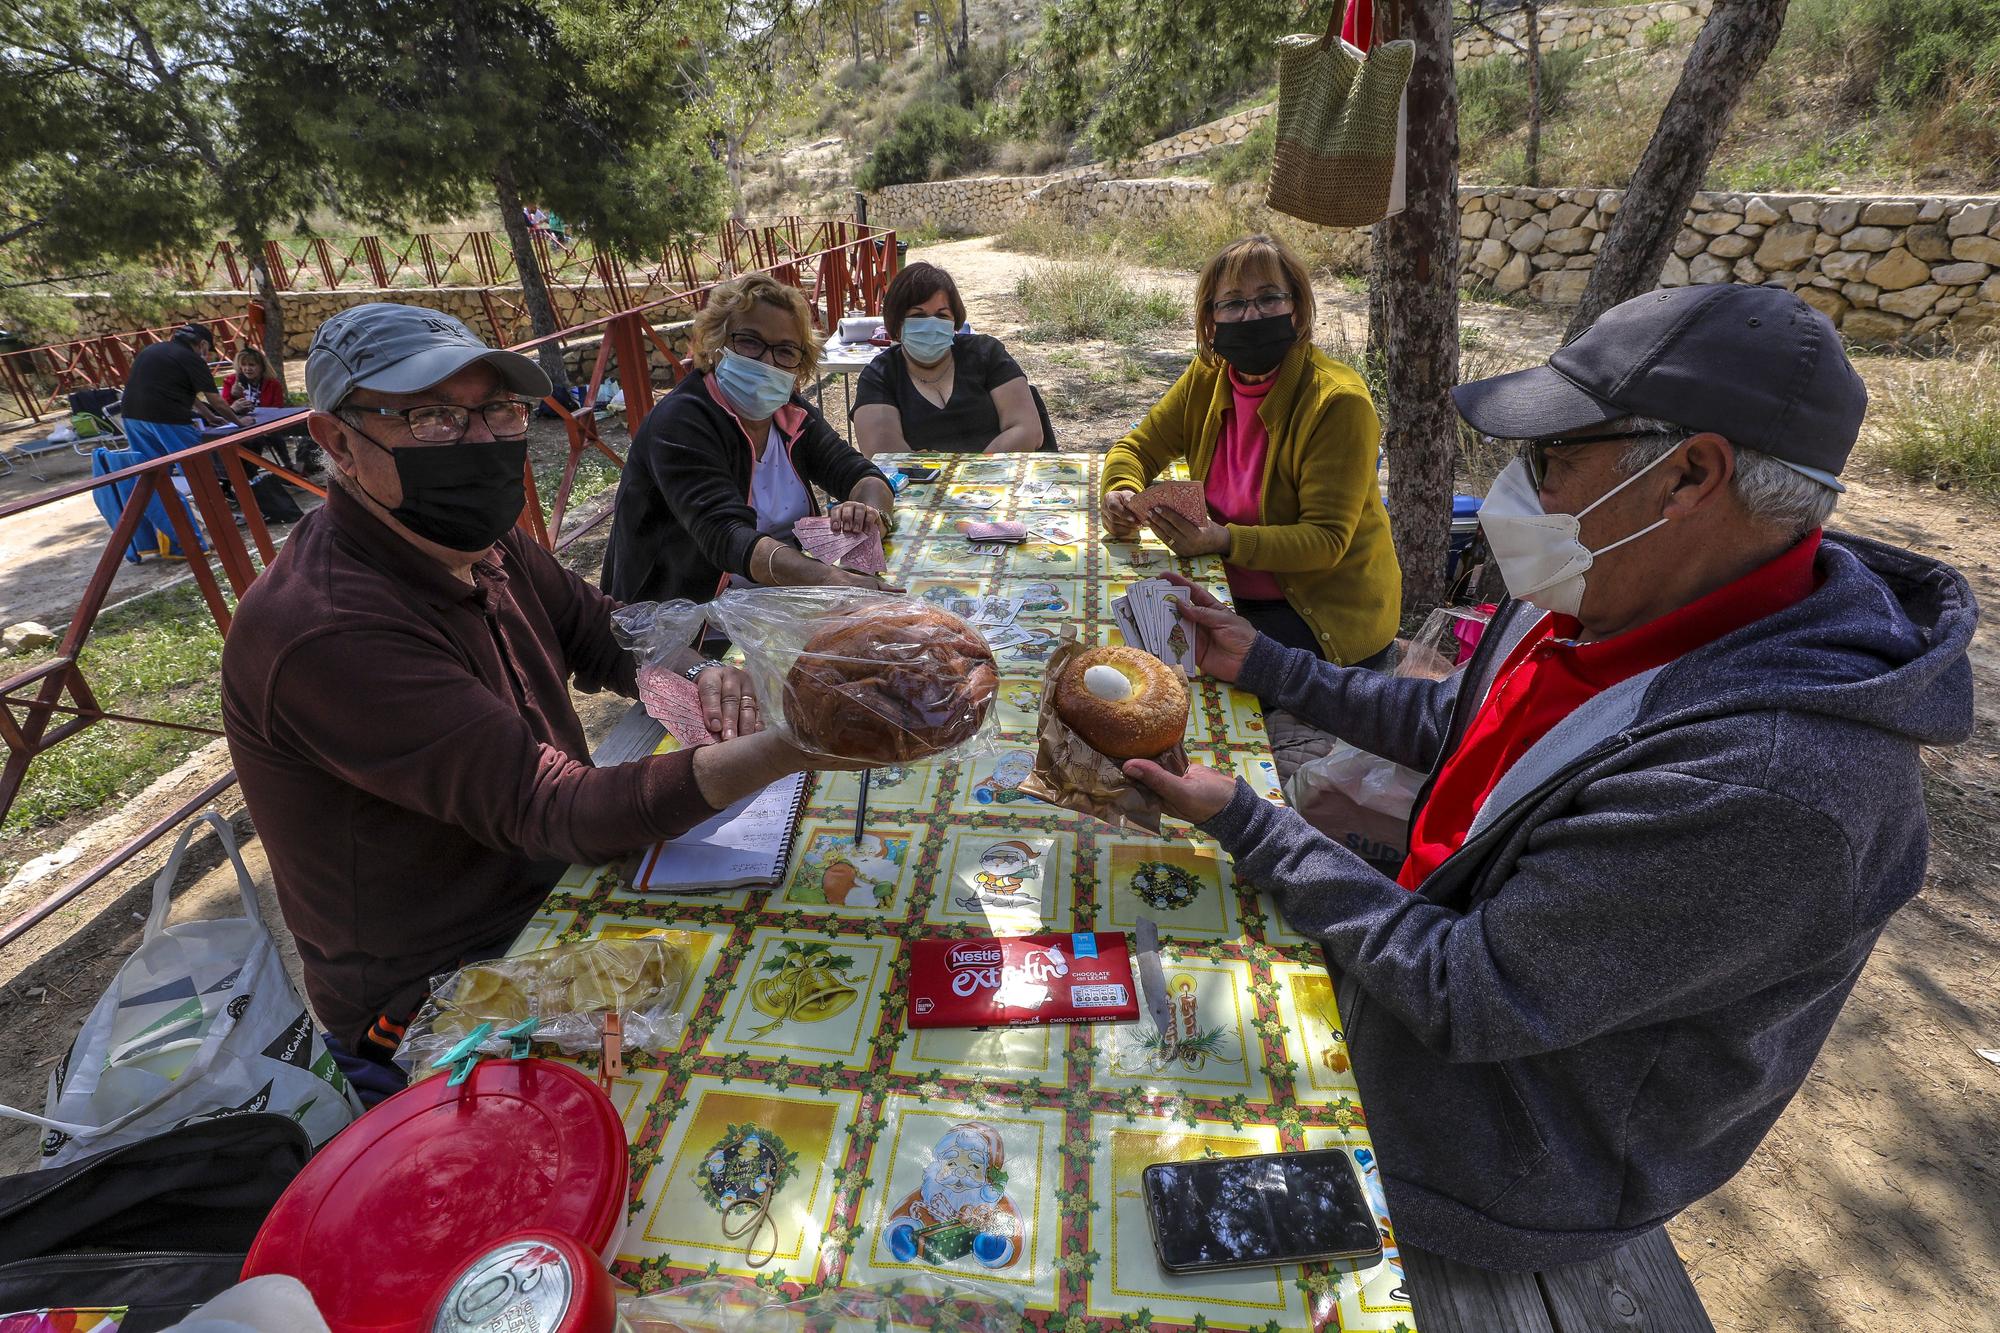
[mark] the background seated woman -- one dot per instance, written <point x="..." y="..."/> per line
<point x="940" y="390"/>
<point x="726" y="463"/>
<point x="1283" y="439"/>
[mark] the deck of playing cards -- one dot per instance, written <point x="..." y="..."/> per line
<point x="1004" y="530"/>
<point x="1183" y="497"/>
<point x="1019" y="982"/>
<point x="1149" y="617"/>
<point x="858" y="551"/>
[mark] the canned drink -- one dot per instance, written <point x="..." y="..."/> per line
<point x="528" y="1284"/>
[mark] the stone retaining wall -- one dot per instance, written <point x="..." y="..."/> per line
<point x="1614" y="29"/>
<point x="1884" y="269"/>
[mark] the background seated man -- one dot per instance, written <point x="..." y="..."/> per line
<point x="169" y="386"/>
<point x="396" y="688"/>
<point x="939" y="389"/>
<point x="1676" y="793"/>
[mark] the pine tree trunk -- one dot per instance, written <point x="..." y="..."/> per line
<point x="534" y="288"/>
<point x="854" y="28"/>
<point x="1419" y="282"/>
<point x="267" y="297"/>
<point x="1732" y="48"/>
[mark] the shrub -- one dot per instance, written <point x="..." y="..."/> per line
<point x="1493" y="94"/>
<point x="1249" y="159"/>
<point x="1661" y="33"/>
<point x="928" y="140"/>
<point x="1092" y="299"/>
<point x="1898" y="53"/>
<point x="1948" y="433"/>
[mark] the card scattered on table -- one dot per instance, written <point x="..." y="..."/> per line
<point x="1003" y="531"/>
<point x="674" y="701"/>
<point x="1183" y="497"/>
<point x="1022" y="982"/>
<point x="858" y="551"/>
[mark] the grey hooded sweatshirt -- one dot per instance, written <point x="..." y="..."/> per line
<point x="1588" y="1016"/>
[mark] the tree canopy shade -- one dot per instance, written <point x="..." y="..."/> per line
<point x="1121" y="72"/>
<point x="429" y="108"/>
<point x="127" y="139"/>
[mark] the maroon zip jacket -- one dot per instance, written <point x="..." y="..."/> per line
<point x="408" y="749"/>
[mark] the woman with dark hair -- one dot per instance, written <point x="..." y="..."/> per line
<point x="939" y="388"/>
<point x="1282" y="438"/>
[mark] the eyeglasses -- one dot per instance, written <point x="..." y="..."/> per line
<point x="1269" y="303"/>
<point x="1535" y="453"/>
<point x="785" y="356"/>
<point x="447" y="423"/>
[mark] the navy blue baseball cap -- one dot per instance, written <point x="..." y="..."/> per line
<point x="392" y="348"/>
<point x="1755" y="365"/>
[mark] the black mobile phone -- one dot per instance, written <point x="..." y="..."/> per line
<point x="918" y="472"/>
<point x="1259" y="1212"/>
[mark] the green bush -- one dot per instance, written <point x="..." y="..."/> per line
<point x="928" y="140"/>
<point x="1660" y="34"/>
<point x="1493" y="94"/>
<point x="1948" y="434"/>
<point x="1899" y="53"/>
<point x="1092" y="299"/>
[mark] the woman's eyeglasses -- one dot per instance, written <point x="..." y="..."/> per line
<point x="785" y="356"/>
<point x="1269" y="303"/>
<point x="447" y="423"/>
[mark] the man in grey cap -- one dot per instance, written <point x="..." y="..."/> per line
<point x="1672" y="798"/>
<point x="396" y="687"/>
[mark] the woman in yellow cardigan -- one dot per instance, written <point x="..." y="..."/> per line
<point x="1283" y="439"/>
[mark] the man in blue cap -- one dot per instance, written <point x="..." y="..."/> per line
<point x="1672" y="799"/>
<point x="396" y="688"/>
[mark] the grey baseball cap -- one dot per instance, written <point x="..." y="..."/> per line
<point x="1756" y="365"/>
<point x="391" y="348"/>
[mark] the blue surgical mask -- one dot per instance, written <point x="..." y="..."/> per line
<point x="754" y="389"/>
<point x="927" y="338"/>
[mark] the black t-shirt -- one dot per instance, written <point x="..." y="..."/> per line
<point x="969" y="421"/>
<point x="164" y="381"/>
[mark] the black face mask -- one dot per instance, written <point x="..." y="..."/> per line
<point x="1255" y="346"/>
<point x="465" y="495"/>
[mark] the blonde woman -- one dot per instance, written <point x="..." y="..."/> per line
<point x="1283" y="439"/>
<point x="727" y="462"/>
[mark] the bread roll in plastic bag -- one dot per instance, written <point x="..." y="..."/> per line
<point x="864" y="677"/>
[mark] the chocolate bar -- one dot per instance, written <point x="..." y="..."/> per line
<point x="1022" y="981"/>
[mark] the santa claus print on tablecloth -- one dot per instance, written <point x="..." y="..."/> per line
<point x="961" y="1208"/>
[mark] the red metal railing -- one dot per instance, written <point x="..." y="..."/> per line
<point x="592" y="284"/>
<point x="48" y="704"/>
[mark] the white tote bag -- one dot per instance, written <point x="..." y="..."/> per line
<point x="200" y="1022"/>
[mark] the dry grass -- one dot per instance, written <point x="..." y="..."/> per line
<point x="1945" y="428"/>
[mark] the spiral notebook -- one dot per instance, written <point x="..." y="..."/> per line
<point x="747" y="844"/>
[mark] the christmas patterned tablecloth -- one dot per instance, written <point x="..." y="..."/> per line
<point x="802" y="1134"/>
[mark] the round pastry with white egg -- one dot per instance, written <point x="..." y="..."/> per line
<point x="1124" y="702"/>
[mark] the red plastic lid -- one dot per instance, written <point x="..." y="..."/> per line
<point x="405" y="1198"/>
<point x="532" y="1282"/>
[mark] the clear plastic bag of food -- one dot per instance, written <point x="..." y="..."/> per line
<point x="920" y="1303"/>
<point x="1444" y="642"/>
<point x="864" y="677"/>
<point x="568" y="990"/>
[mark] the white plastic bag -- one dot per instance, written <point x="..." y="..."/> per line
<point x="200" y="1022"/>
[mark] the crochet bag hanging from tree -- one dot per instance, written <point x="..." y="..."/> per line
<point x="1342" y="128"/>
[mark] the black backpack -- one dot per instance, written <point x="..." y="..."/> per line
<point x="159" y="1226"/>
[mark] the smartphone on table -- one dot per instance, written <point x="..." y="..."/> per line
<point x="1266" y="1211"/>
<point x="918" y="472"/>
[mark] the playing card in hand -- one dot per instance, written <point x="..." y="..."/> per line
<point x="674" y="701"/>
<point x="1183" y="497"/>
<point x="858" y="551"/>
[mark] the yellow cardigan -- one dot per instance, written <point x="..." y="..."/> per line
<point x="1325" y="534"/>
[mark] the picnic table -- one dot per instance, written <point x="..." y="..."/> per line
<point x="843" y="360"/>
<point x="799" y="1074"/>
<point x="797" y="1037"/>
<point x="264" y="417"/>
